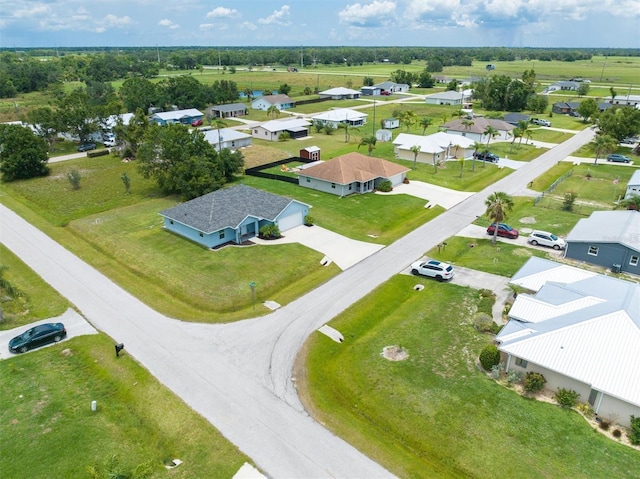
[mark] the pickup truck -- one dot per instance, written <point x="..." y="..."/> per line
<point x="540" y="121"/>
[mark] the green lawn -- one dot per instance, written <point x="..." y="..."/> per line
<point x="435" y="414"/>
<point x="49" y="431"/>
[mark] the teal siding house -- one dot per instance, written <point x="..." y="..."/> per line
<point x="232" y="215"/>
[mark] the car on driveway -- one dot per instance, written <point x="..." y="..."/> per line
<point x="618" y="158"/>
<point x="486" y="156"/>
<point x="197" y="122"/>
<point x="38" y="336"/>
<point x="504" y="230"/>
<point x="544" y="238"/>
<point x="432" y="269"/>
<point x="540" y="121"/>
<point x="87" y="147"/>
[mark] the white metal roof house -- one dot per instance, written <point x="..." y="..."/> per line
<point x="476" y="130"/>
<point x="393" y="87"/>
<point x="607" y="238"/>
<point x="448" y="98"/>
<point x="271" y="130"/>
<point x="227" y="138"/>
<point x="340" y="93"/>
<point x="341" y="115"/>
<point x="633" y="187"/>
<point x="581" y="331"/>
<point x="186" y="117"/>
<point x="624" y="100"/>
<point x="281" y="102"/>
<point x="432" y="147"/>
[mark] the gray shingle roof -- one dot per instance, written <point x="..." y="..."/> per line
<point x="227" y="208"/>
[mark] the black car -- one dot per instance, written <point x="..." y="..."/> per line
<point x="38" y="336"/>
<point x="87" y="147"/>
<point x="486" y="156"/>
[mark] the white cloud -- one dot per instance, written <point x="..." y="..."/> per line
<point x="168" y="23"/>
<point x="114" y="21"/>
<point x="222" y="12"/>
<point x="248" y="26"/>
<point x="375" y="14"/>
<point x="278" y="17"/>
<point x="36" y="10"/>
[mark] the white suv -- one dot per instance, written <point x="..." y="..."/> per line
<point x="544" y="238"/>
<point x="433" y="269"/>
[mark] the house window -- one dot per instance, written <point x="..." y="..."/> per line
<point x="522" y="363"/>
<point x="308" y="180"/>
<point x="592" y="397"/>
<point x="634" y="260"/>
<point x="201" y="235"/>
<point x="333" y="185"/>
<point x="221" y="235"/>
<point x="171" y="222"/>
<point x="593" y="250"/>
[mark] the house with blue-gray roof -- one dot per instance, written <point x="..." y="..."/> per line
<point x="581" y="331"/>
<point x="232" y="215"/>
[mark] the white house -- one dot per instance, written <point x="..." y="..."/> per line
<point x="281" y="102"/>
<point x="341" y="115"/>
<point x="271" y="130"/>
<point x="227" y="138"/>
<point x="633" y="187"/>
<point x="449" y="98"/>
<point x="185" y="117"/>
<point x="581" y="331"/>
<point x="340" y="93"/>
<point x="475" y="130"/>
<point x="433" y="148"/>
<point x="624" y="100"/>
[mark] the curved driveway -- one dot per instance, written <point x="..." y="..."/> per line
<point x="238" y="375"/>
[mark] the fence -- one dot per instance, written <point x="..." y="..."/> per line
<point x="258" y="172"/>
<point x="552" y="187"/>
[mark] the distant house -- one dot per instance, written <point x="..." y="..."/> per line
<point x="515" y="118"/>
<point x="624" y="100"/>
<point x="227" y="138"/>
<point x="633" y="187"/>
<point x="564" y="85"/>
<point x="281" y="102"/>
<point x="581" y="331"/>
<point x="230" y="110"/>
<point x="335" y="117"/>
<point x="184" y="117"/>
<point x="351" y="173"/>
<point x="340" y="93"/>
<point x="370" y="91"/>
<point x="565" y="107"/>
<point x="607" y="238"/>
<point x="393" y="87"/>
<point x="232" y="215"/>
<point x="271" y="130"/>
<point x="476" y="130"/>
<point x="433" y="148"/>
<point x="449" y="98"/>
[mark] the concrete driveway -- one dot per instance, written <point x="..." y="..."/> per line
<point x="435" y="195"/>
<point x="343" y="251"/>
<point x="75" y="324"/>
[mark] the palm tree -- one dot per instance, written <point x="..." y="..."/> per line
<point x="425" y="122"/>
<point x="461" y="161"/>
<point x="415" y="149"/>
<point x="498" y="205"/>
<point x="273" y="112"/>
<point x="467" y="124"/>
<point x="515" y="133"/>
<point x="248" y="92"/>
<point x="476" y="147"/>
<point x="409" y="118"/>
<point x="219" y="123"/>
<point x="525" y="129"/>
<point x="347" y="130"/>
<point x="444" y="118"/>
<point x="603" y="145"/>
<point x="491" y="133"/>
<point x="369" y="142"/>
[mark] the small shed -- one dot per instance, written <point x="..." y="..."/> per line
<point x="383" y="135"/>
<point x="390" y="123"/>
<point x="310" y="153"/>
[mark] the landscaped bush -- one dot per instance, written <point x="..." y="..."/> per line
<point x="585" y="409"/>
<point x="566" y="397"/>
<point x="604" y="424"/>
<point x="617" y="433"/>
<point x="634" y="437"/>
<point x="515" y="377"/>
<point x="270" y="232"/>
<point x="489" y="357"/>
<point x="385" y="186"/>
<point x="95" y="153"/>
<point x="487" y="298"/>
<point x="534" y="382"/>
<point x="496" y="371"/>
<point x="309" y="220"/>
<point x="483" y="322"/>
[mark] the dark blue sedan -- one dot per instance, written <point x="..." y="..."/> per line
<point x="38" y="336"/>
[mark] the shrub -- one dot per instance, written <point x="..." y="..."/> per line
<point x="585" y="409"/>
<point x="74" y="178"/>
<point x="270" y="232"/>
<point x="95" y="153"/>
<point x="534" y="382"/>
<point x="284" y="136"/>
<point x="483" y="322"/>
<point x="604" y="424"/>
<point x="566" y="397"/>
<point x="496" y="371"/>
<point x="634" y="437"/>
<point x="569" y="200"/>
<point x="385" y="186"/>
<point x="515" y="377"/>
<point x="489" y="357"/>
<point x="617" y="433"/>
<point x="309" y="220"/>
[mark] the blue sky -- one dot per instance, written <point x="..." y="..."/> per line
<point x="509" y="23"/>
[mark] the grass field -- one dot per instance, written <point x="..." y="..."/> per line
<point x="435" y="414"/>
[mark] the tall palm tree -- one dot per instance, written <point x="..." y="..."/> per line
<point x="525" y="129"/>
<point x="410" y="119"/>
<point x="461" y="161"/>
<point x="476" y="146"/>
<point x="347" y="130"/>
<point x="631" y="203"/>
<point x="498" y="205"/>
<point x="415" y="149"/>
<point x="515" y="133"/>
<point x="218" y="123"/>
<point x="444" y="118"/>
<point x="248" y="92"/>
<point x="467" y="123"/>
<point x="273" y="112"/>
<point x="369" y="142"/>
<point x="603" y="145"/>
<point x="425" y="122"/>
<point x="491" y="133"/>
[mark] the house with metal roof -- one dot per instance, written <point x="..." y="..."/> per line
<point x="339" y="116"/>
<point x="340" y="93"/>
<point x="449" y="98"/>
<point x="393" y="87"/>
<point x="581" y="331"/>
<point x="433" y="148"/>
<point x="271" y="130"/>
<point x="281" y="102"/>
<point x="227" y="138"/>
<point x="607" y="238"/>
<point x="633" y="186"/>
<point x="475" y="130"/>
<point x="230" y="110"/>
<point x="232" y="215"/>
<point x="351" y="173"/>
<point x="185" y="117"/>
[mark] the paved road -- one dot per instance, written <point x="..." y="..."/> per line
<point x="238" y="375"/>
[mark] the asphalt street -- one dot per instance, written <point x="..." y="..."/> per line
<point x="238" y="375"/>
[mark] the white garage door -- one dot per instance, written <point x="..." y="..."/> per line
<point x="287" y="222"/>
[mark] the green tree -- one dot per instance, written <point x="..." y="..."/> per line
<point x="218" y="123"/>
<point x="603" y="145"/>
<point x="367" y="81"/>
<point x="515" y="134"/>
<point x="425" y="122"/>
<point x="425" y="80"/>
<point x="490" y="132"/>
<point x="631" y="203"/>
<point x="583" y="89"/>
<point x="347" y="130"/>
<point x="525" y="130"/>
<point x="498" y="204"/>
<point x="133" y="134"/>
<point x="620" y="122"/>
<point x="22" y="154"/>
<point x="409" y="118"/>
<point x="137" y="92"/>
<point x="46" y="124"/>
<point x="415" y="149"/>
<point x="77" y="116"/>
<point x="369" y="142"/>
<point x="476" y="146"/>
<point x="452" y="85"/>
<point x="273" y="112"/>
<point x="284" y="89"/>
<point x="588" y="109"/>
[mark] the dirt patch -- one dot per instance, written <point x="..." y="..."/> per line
<point x="394" y="353"/>
<point x="528" y="220"/>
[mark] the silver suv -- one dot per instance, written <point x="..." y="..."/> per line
<point x="544" y="238"/>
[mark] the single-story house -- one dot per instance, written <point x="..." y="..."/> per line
<point x="351" y="173"/>
<point x="607" y="238"/>
<point x="515" y="118"/>
<point x="476" y="130"/>
<point x="271" y="130"/>
<point x="565" y="107"/>
<point x="281" y="102"/>
<point x="335" y="117"/>
<point x="232" y="215"/>
<point x="581" y="331"/>
<point x="390" y="123"/>
<point x="393" y="87"/>
<point x="624" y="100"/>
<point x="230" y="110"/>
<point x="340" y="93"/>
<point x="184" y="117"/>
<point x="370" y="91"/>
<point x="449" y="98"/>
<point x="434" y="147"/>
<point x="633" y="187"/>
<point x="113" y="120"/>
<point x="227" y="138"/>
<point x="564" y="85"/>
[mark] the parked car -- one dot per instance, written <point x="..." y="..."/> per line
<point x="629" y="141"/>
<point x="486" y="156"/>
<point x="618" y="158"/>
<point x="575" y="114"/>
<point x="38" y="336"/>
<point x="385" y="93"/>
<point x="87" y="147"/>
<point x="110" y="142"/>
<point x="432" y="269"/>
<point x="544" y="238"/>
<point x="540" y="121"/>
<point x="196" y="122"/>
<point x="504" y="230"/>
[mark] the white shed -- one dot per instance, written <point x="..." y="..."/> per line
<point x="383" y="135"/>
<point x="390" y="123"/>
